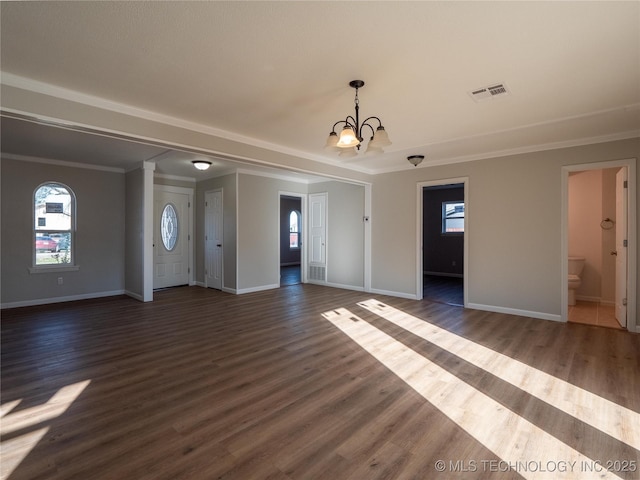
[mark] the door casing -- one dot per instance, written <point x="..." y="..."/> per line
<point x="157" y="189"/>
<point x="632" y="248"/>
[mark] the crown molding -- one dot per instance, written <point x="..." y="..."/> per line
<point x="61" y="163"/>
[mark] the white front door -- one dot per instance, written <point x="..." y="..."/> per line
<point x="171" y="242"/>
<point x="317" y="270"/>
<point x="213" y="239"/>
<point x="621" y="246"/>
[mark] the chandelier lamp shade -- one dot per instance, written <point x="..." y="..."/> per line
<point x="201" y="164"/>
<point x="352" y="133"/>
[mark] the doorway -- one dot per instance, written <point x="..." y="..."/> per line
<point x="291" y="232"/>
<point x="599" y="231"/>
<point x="443" y="226"/>
<point x="213" y="239"/>
<point x="173" y="223"/>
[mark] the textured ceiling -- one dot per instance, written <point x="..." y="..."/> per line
<point x="276" y="74"/>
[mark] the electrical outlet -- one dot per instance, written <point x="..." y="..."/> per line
<point x="60" y="280"/>
<point x="453" y="263"/>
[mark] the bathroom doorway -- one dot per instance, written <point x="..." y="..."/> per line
<point x="600" y="228"/>
<point x="442" y="242"/>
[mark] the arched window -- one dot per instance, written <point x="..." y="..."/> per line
<point x="294" y="230"/>
<point x="54" y="211"/>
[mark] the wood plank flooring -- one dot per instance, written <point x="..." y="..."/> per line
<point x="308" y="382"/>
<point x="449" y="290"/>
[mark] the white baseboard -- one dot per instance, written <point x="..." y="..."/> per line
<point x="587" y="298"/>
<point x="70" y="298"/>
<point x="515" y="311"/>
<point x="440" y="274"/>
<point x="257" y="289"/>
<point x="134" y="295"/>
<point x="345" y="287"/>
<point x="391" y="293"/>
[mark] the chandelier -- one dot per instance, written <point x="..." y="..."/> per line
<point x="350" y="139"/>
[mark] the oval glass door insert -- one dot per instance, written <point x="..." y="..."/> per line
<point x="169" y="227"/>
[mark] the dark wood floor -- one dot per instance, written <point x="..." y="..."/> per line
<point x="309" y="382"/>
<point x="290" y="275"/>
<point x="449" y="290"/>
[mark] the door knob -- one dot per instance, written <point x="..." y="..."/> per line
<point x="614" y="253"/>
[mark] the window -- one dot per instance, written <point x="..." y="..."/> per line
<point x="169" y="227"/>
<point x="54" y="224"/>
<point x="294" y="230"/>
<point x="452" y="217"/>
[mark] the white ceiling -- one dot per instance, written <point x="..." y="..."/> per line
<point x="276" y="74"/>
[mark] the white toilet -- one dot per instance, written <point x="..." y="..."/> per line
<point x="576" y="264"/>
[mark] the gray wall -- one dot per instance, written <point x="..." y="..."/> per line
<point x="514" y="225"/>
<point x="258" y="225"/>
<point x="134" y="233"/>
<point x="345" y="232"/>
<point x="99" y="241"/>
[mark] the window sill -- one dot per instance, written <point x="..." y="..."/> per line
<point x="54" y="269"/>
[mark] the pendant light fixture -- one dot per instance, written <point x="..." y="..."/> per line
<point x="415" y="159"/>
<point x="351" y="136"/>
<point x="201" y="164"/>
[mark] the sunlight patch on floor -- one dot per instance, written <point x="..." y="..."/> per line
<point x="615" y="420"/>
<point x="21" y="426"/>
<point x="511" y="437"/>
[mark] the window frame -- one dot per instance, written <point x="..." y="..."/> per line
<point x="297" y="231"/>
<point x="444" y="218"/>
<point x="35" y="232"/>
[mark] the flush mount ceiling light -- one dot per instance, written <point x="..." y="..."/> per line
<point x="201" y="164"/>
<point x="415" y="159"/>
<point x="350" y="139"/>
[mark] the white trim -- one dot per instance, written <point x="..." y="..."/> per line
<point x="35" y="86"/>
<point x="257" y="289"/>
<point x="147" y="231"/>
<point x="237" y="232"/>
<point x="70" y="298"/>
<point x="42" y="88"/>
<point x="134" y="295"/>
<point x="174" y="177"/>
<point x="441" y="274"/>
<point x="189" y="192"/>
<point x="61" y="163"/>
<point x="516" y="311"/>
<point x="632" y="248"/>
<point x="391" y="293"/>
<point x="586" y="298"/>
<point x="420" y="186"/>
<point x="303" y="226"/>
<point x="367" y="236"/>
<point x="53" y="269"/>
<point x="277" y="176"/>
<point x="344" y="287"/>
<point x="515" y="151"/>
<point x="204" y="242"/>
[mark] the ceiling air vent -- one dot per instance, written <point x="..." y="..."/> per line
<point x="492" y="91"/>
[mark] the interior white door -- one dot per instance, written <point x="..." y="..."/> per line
<point x="317" y="237"/>
<point x="170" y="239"/>
<point x="621" y="246"/>
<point x="213" y="239"/>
